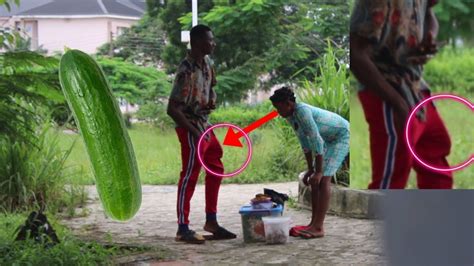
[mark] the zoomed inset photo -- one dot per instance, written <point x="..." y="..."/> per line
<point x="411" y="99"/>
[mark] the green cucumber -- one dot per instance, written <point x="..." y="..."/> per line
<point x="103" y="130"/>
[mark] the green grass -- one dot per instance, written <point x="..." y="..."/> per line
<point x="71" y="251"/>
<point x="159" y="159"/>
<point x="459" y="122"/>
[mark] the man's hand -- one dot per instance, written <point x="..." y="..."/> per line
<point x="400" y="115"/>
<point x="425" y="51"/>
<point x="429" y="45"/>
<point x="211" y="105"/>
<point x="306" y="176"/>
<point x="419" y="59"/>
<point x="196" y="133"/>
<point x="315" y="179"/>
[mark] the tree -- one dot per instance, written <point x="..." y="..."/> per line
<point x="133" y="83"/>
<point x="154" y="6"/>
<point x="142" y="44"/>
<point x="145" y="86"/>
<point x="27" y="80"/>
<point x="455" y="19"/>
<point x="306" y="27"/>
<point x="282" y="38"/>
<point x="279" y="39"/>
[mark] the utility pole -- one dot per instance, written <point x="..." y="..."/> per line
<point x="195" y="12"/>
<point x="185" y="34"/>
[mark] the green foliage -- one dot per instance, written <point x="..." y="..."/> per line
<point x="8" y="3"/>
<point x="156" y="114"/>
<point x="27" y="79"/>
<point x="34" y="176"/>
<point x="278" y="38"/>
<point x="32" y="164"/>
<point x="451" y="71"/>
<point x="134" y="83"/>
<point x="153" y="7"/>
<point x="329" y="91"/>
<point x="455" y="19"/>
<point x="240" y="115"/>
<point x="233" y="84"/>
<point x="245" y="32"/>
<point x="159" y="159"/>
<point x="288" y="158"/>
<point x="310" y="33"/>
<point x="70" y="250"/>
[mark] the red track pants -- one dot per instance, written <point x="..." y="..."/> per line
<point x="211" y="154"/>
<point x="391" y="158"/>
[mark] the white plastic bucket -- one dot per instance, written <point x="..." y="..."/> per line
<point x="277" y="229"/>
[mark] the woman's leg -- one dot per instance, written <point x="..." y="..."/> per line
<point x="323" y="193"/>
<point x="314" y="205"/>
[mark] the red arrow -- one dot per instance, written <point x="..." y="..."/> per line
<point x="232" y="138"/>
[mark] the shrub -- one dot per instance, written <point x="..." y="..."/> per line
<point x="240" y="115"/>
<point x="156" y="114"/>
<point x="34" y="176"/>
<point x="70" y="250"/>
<point x="451" y="71"/>
<point x="329" y="91"/>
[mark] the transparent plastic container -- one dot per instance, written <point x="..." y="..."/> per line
<point x="277" y="229"/>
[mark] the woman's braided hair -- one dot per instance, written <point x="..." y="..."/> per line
<point x="282" y="95"/>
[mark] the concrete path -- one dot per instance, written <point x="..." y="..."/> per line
<point x="347" y="241"/>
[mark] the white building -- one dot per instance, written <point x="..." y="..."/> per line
<point x="77" y="24"/>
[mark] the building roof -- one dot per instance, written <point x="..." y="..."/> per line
<point x="77" y="8"/>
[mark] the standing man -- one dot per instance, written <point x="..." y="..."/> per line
<point x="391" y="40"/>
<point x="192" y="100"/>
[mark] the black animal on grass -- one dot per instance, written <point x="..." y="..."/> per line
<point x="38" y="228"/>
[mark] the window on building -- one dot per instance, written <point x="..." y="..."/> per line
<point x="121" y="30"/>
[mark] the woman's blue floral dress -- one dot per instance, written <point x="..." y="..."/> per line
<point x="322" y="132"/>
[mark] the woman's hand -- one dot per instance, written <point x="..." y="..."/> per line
<point x="307" y="175"/>
<point x="315" y="178"/>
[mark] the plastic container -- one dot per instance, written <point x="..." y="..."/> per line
<point x="252" y="224"/>
<point x="262" y="205"/>
<point x="277" y="229"/>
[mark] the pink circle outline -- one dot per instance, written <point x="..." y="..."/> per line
<point x="249" y="154"/>
<point x="407" y="131"/>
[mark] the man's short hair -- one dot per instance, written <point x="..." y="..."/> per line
<point x="198" y="32"/>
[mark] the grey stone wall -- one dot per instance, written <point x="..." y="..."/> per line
<point x="346" y="202"/>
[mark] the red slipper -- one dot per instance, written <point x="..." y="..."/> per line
<point x="295" y="230"/>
